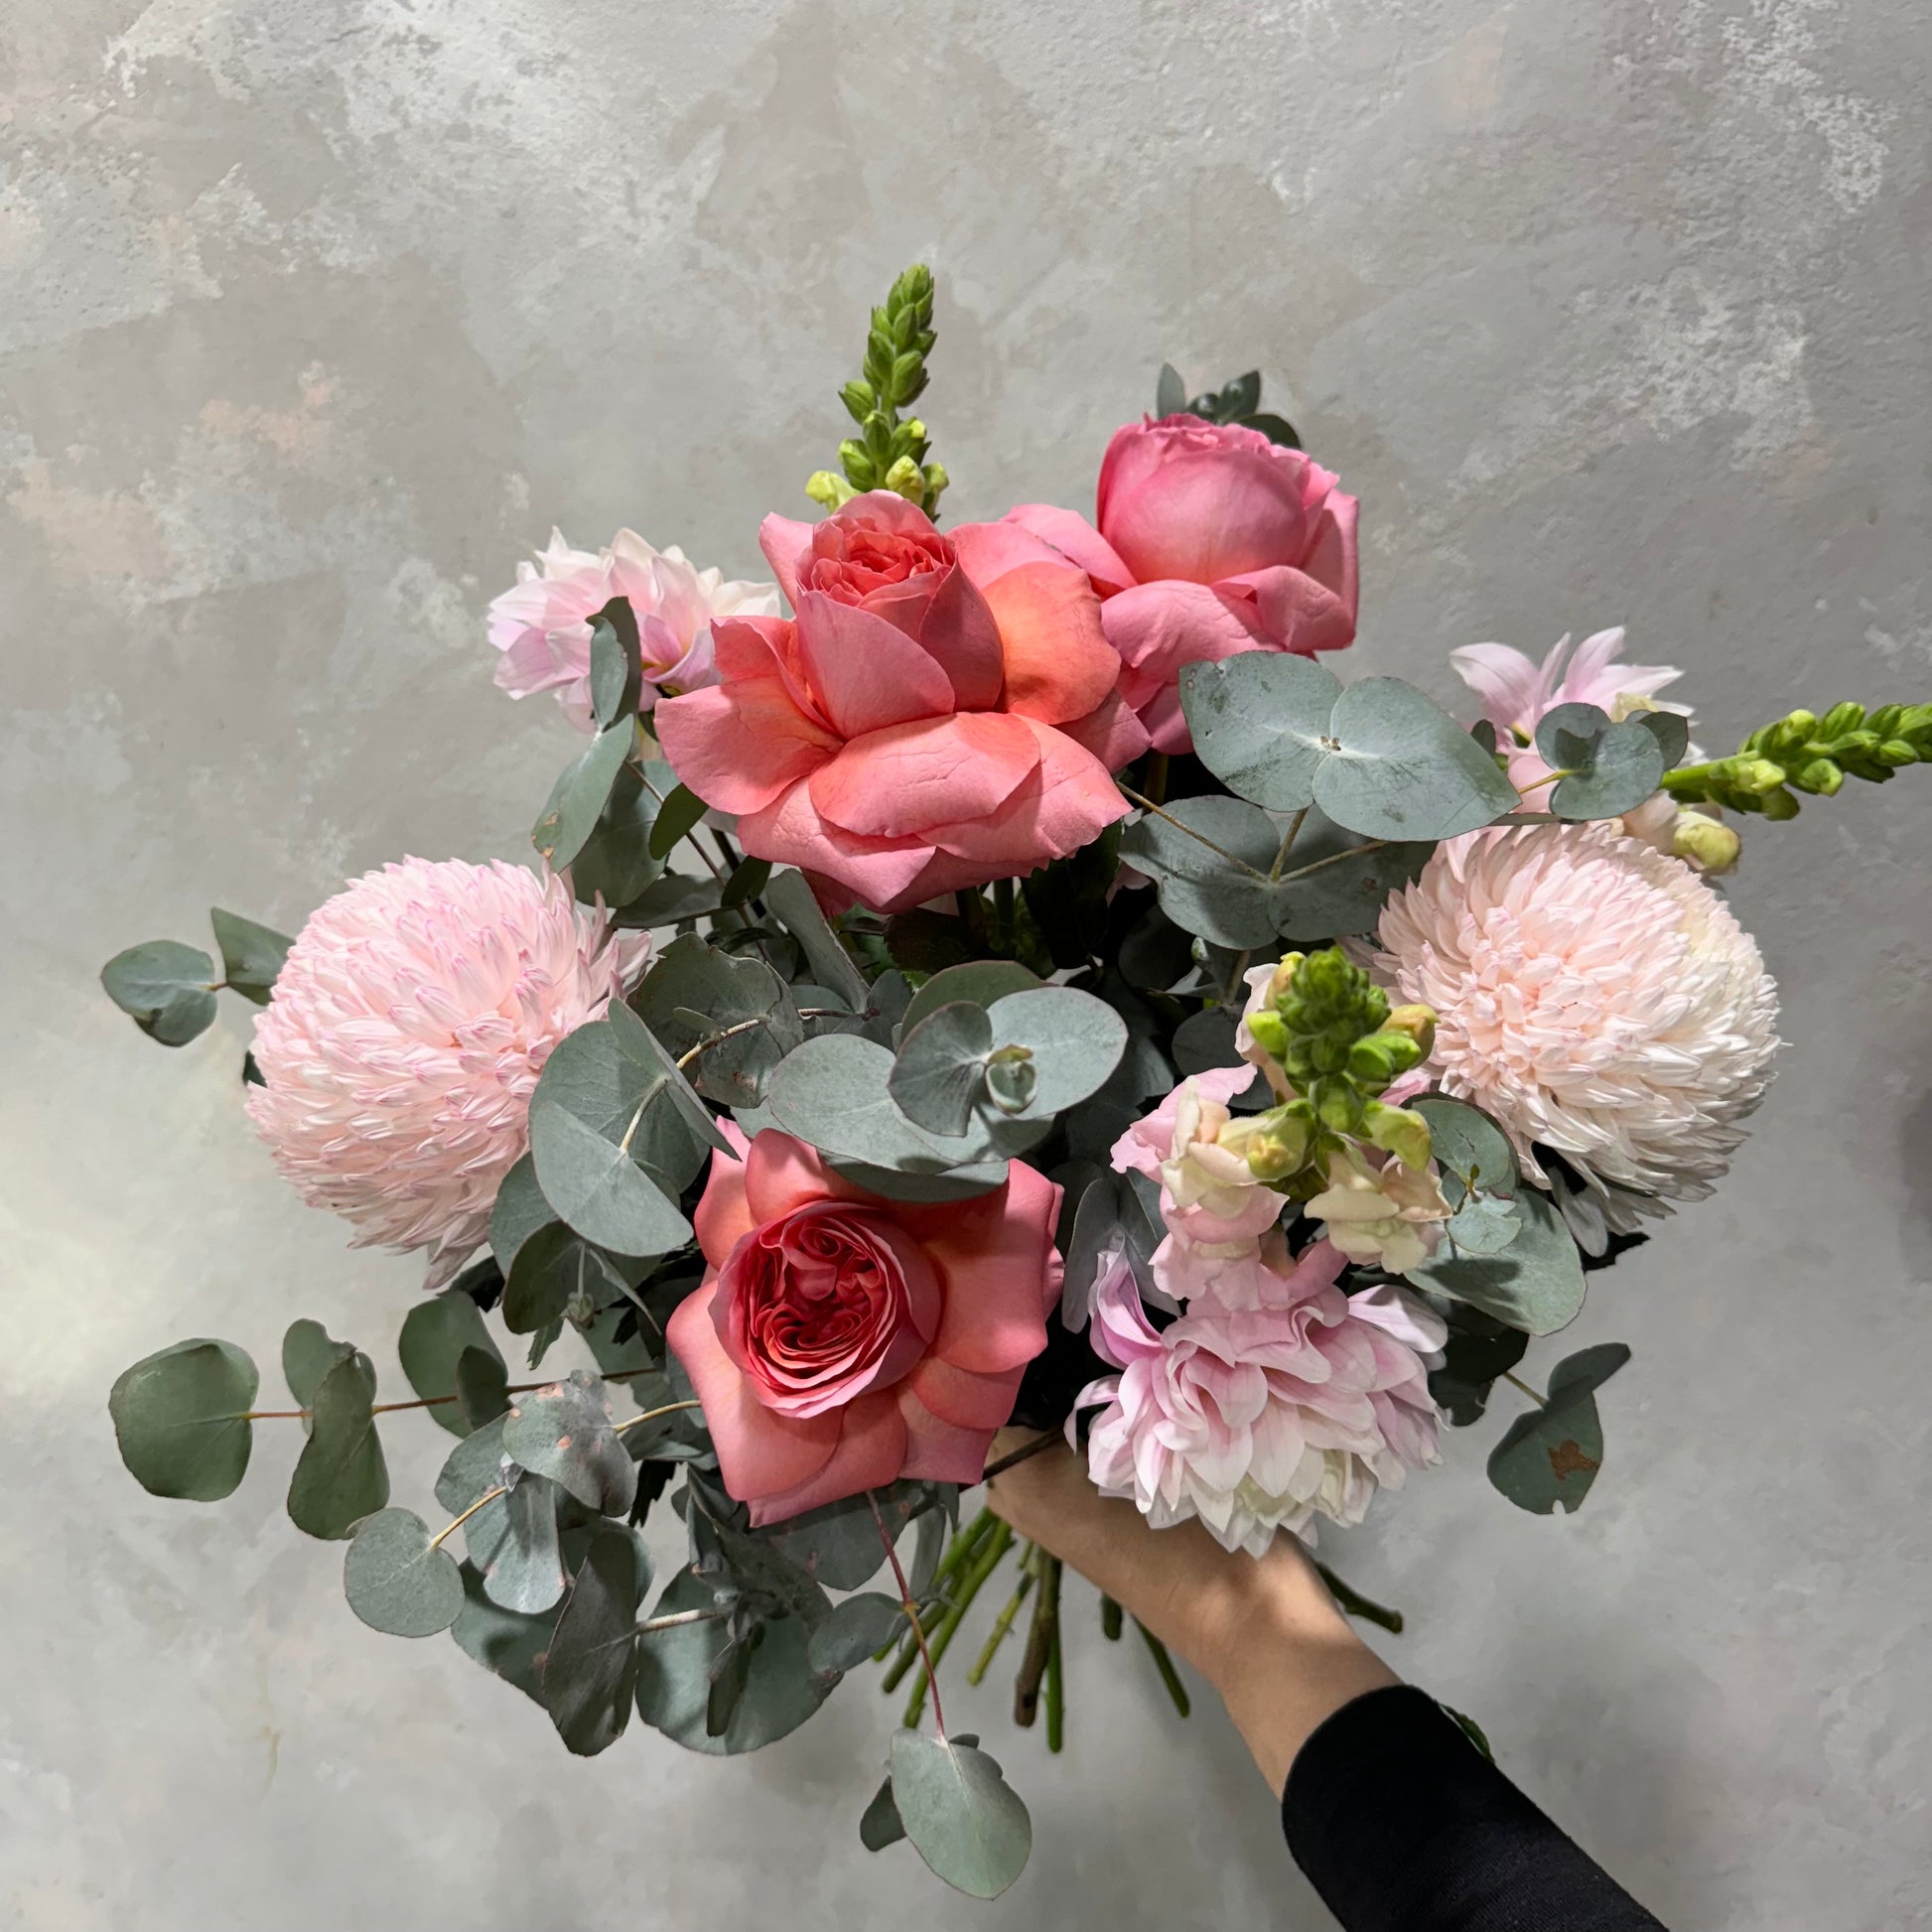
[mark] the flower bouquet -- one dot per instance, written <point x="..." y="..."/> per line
<point x="1021" y="985"/>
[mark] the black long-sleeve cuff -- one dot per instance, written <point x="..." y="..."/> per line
<point x="1403" y="1826"/>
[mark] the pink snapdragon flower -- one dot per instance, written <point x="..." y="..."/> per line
<point x="1260" y="1417"/>
<point x="542" y="626"/>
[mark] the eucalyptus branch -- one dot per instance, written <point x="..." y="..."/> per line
<point x="1288" y="840"/>
<point x="1354" y="1603"/>
<point x="911" y="1610"/>
<point x="1020" y="1456"/>
<point x="675" y="1620"/>
<point x="428" y="1401"/>
<point x="488" y="1496"/>
<point x="694" y="1053"/>
<point x="1221" y="852"/>
<point x="1333" y="859"/>
<point x="1542" y="1402"/>
<point x="652" y="1415"/>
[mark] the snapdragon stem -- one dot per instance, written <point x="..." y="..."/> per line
<point x="991" y="1551"/>
<point x="1169" y="1674"/>
<point x="1003" y="1622"/>
<point x="1039" y="1641"/>
<point x="1055" y="1680"/>
<point x="1354" y="1603"/>
<point x="1110" y="1619"/>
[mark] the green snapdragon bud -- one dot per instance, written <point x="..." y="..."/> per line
<point x="1276" y="1144"/>
<point x="1269" y="1031"/>
<point x="1398" y="1131"/>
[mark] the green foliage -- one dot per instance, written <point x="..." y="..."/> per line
<point x="590" y="1672"/>
<point x="1802" y="752"/>
<point x="563" y="1432"/>
<point x="517" y="1212"/>
<point x="1536" y="1284"/>
<point x="167" y="989"/>
<point x="507" y="1643"/>
<point x="512" y="1540"/>
<point x="1610" y="768"/>
<point x="980" y="981"/>
<point x="615" y="863"/>
<point x="1471" y="1363"/>
<point x="790" y="900"/>
<point x="556" y="1271"/>
<point x="616" y="664"/>
<point x="855" y="1629"/>
<point x="341" y="1477"/>
<point x="963" y="1818"/>
<point x="578" y="798"/>
<point x="940" y="1069"/>
<point x="308" y="1354"/>
<point x="436" y="1333"/>
<point x="839" y="1545"/>
<point x="781" y="1689"/>
<point x="888" y="452"/>
<point x="1238" y="401"/>
<point x="1550" y="1457"/>
<point x="251" y="954"/>
<point x="181" y="1420"/>
<point x="398" y="1582"/>
<point x="598" y="1190"/>
<point x="677" y="816"/>
<point x="694" y="993"/>
<point x="1377" y="756"/>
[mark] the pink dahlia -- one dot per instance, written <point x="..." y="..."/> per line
<point x="543" y="627"/>
<point x="1596" y="996"/>
<point x="1264" y="1416"/>
<point x="406" y="1031"/>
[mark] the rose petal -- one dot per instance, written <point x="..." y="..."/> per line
<point x="757" y="1452"/>
<point x="865" y="671"/>
<point x="959" y="632"/>
<point x="792" y="832"/>
<point x="723" y="1216"/>
<point x="785" y="542"/>
<point x="993" y="1252"/>
<point x="962" y="1398"/>
<point x="1075" y="539"/>
<point x="937" y="1450"/>
<point x="1059" y="663"/>
<point x="901" y="782"/>
<point x="1111" y="732"/>
<point x="739" y="744"/>
<point x="870" y="1452"/>
<point x="1067" y="802"/>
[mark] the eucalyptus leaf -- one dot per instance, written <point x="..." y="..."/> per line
<point x="308" y="1354"/>
<point x="757" y="1565"/>
<point x="341" y="1475"/>
<point x="589" y="1671"/>
<point x="563" y="1432"/>
<point x="691" y="979"/>
<point x="1612" y="769"/>
<point x="981" y="982"/>
<point x="855" y="1629"/>
<point x="839" y="1545"/>
<point x="1405" y="768"/>
<point x="1074" y="1042"/>
<point x="669" y="900"/>
<point x="519" y="1211"/>
<point x="617" y="665"/>
<point x="880" y="1826"/>
<point x="782" y="1689"/>
<point x="1260" y="723"/>
<point x="167" y="989"/>
<point x="1471" y="1365"/>
<point x="963" y="1818"/>
<point x="555" y="1268"/>
<point x="436" y="1333"/>
<point x="507" y="1643"/>
<point x="180" y="1419"/>
<point x="1467" y="1144"/>
<point x="1549" y="1458"/>
<point x="481" y="1387"/>
<point x="1170" y="392"/>
<point x="679" y="814"/>
<point x="1486" y="1224"/>
<point x="1535" y="1284"/>
<point x="1333" y="885"/>
<point x="789" y="896"/>
<point x="615" y="863"/>
<point x="1209" y="858"/>
<point x="940" y="1067"/>
<point x="597" y="1188"/>
<point x="251" y="954"/>
<point x="578" y="801"/>
<point x="396" y="1580"/>
<point x="748" y="880"/>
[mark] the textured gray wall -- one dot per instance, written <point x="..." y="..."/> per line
<point x="314" y="313"/>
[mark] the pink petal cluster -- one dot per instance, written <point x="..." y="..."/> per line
<point x="1593" y="996"/>
<point x="1260" y="1416"/>
<point x="941" y="711"/>
<point x="841" y="1340"/>
<point x="1516" y="691"/>
<point x="1214" y="1209"/>
<point x="1212" y="540"/>
<point x="405" y="1035"/>
<point x="542" y="626"/>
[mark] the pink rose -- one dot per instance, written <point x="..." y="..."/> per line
<point x="542" y="626"/>
<point x="1212" y="540"/>
<point x="938" y="714"/>
<point x="841" y="1340"/>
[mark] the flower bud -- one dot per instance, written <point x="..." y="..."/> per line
<point x="1820" y="776"/>
<point x="905" y="479"/>
<point x="1895" y="751"/>
<point x="1398" y="1131"/>
<point x="1269" y="1031"/>
<point x="859" y="400"/>
<point x="1418" y="1021"/>
<point x="1760" y="776"/>
<point x="1337" y="1106"/>
<point x="1842" y="718"/>
<point x="829" y="489"/>
<point x="1378" y="1058"/>
<point x="1276" y="1144"/>
<point x="1778" y="804"/>
<point x="1705" y="843"/>
<point x="1283" y="977"/>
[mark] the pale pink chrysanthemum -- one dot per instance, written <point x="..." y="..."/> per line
<point x="1595" y="996"/>
<point x="1259" y="1412"/>
<point x="406" y="1032"/>
<point x="542" y="625"/>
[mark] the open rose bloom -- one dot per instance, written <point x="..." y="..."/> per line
<point x="986" y="976"/>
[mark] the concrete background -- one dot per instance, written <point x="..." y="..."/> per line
<point x="314" y="314"/>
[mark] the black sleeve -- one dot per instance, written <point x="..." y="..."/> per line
<point x="1403" y="1826"/>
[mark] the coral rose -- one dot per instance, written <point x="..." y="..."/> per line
<point x="841" y="1340"/>
<point x="1212" y="540"/>
<point x="938" y="714"/>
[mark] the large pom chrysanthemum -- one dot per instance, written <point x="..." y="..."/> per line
<point x="1595" y="996"/>
<point x="406" y="1031"/>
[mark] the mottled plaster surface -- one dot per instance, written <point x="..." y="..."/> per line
<point x="315" y="313"/>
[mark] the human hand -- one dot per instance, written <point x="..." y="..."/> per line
<point x="1264" y="1631"/>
